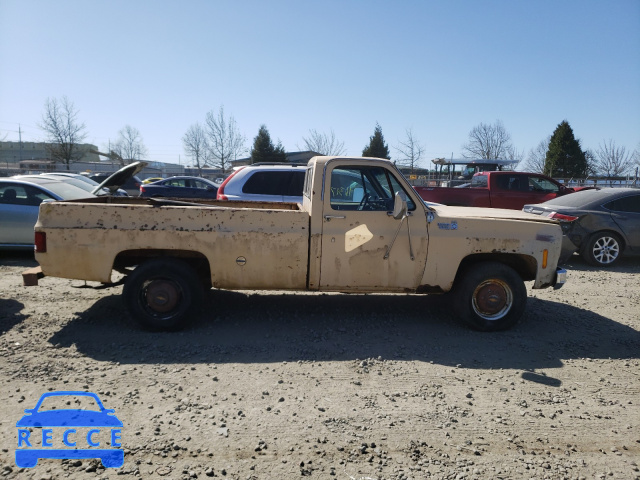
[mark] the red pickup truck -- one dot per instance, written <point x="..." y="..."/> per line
<point x="499" y="190"/>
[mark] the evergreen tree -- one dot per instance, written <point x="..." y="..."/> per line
<point x="565" y="158"/>
<point x="377" y="147"/>
<point x="263" y="149"/>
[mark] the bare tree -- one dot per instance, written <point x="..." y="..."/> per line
<point x="129" y="146"/>
<point x="592" y="162"/>
<point x="490" y="142"/>
<point x="64" y="132"/>
<point x="611" y="160"/>
<point x="323" y="143"/>
<point x="410" y="150"/>
<point x="226" y="143"/>
<point x="537" y="156"/>
<point x="196" y="145"/>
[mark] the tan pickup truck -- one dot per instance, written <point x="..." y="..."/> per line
<point x="361" y="228"/>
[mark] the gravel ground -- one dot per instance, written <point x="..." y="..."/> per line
<point x="269" y="385"/>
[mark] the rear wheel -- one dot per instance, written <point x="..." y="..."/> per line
<point x="603" y="249"/>
<point x="489" y="296"/>
<point x="163" y="294"/>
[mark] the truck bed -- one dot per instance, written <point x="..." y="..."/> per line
<point x="259" y="245"/>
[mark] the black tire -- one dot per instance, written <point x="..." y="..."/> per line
<point x="603" y="249"/>
<point x="163" y="294"/>
<point x="489" y="296"/>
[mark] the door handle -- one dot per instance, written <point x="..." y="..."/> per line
<point x="329" y="217"/>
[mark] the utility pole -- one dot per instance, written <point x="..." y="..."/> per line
<point x="20" y="139"/>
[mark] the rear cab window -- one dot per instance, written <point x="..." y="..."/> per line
<point x="479" y="181"/>
<point x="308" y="182"/>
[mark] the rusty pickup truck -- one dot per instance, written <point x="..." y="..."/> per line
<point x="360" y="228"/>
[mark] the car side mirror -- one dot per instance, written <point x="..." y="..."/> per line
<point x="399" y="205"/>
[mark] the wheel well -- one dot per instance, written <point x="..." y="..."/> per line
<point x="524" y="265"/>
<point x="196" y="260"/>
<point x="609" y="232"/>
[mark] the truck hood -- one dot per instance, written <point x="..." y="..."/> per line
<point x="118" y="179"/>
<point x="493" y="213"/>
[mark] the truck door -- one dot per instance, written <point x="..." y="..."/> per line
<point x="358" y="228"/>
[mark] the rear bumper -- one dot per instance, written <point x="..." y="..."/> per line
<point x="560" y="278"/>
<point x="568" y="249"/>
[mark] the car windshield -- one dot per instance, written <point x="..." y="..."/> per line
<point x="65" y="190"/>
<point x="87" y="187"/>
<point x="80" y="178"/>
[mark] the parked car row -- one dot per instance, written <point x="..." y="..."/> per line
<point x="601" y="225"/>
<point x="181" y="187"/>
<point x="21" y="196"/>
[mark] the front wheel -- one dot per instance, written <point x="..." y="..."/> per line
<point x="489" y="296"/>
<point x="603" y="249"/>
<point x="163" y="294"/>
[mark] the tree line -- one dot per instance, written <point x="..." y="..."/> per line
<point x="217" y="142"/>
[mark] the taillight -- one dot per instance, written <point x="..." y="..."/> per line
<point x="221" y="195"/>
<point x="41" y="242"/>
<point x="142" y="190"/>
<point x="562" y="218"/>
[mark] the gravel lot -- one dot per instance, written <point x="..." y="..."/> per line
<point x="269" y="385"/>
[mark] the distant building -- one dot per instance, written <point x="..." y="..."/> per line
<point x="292" y="157"/>
<point x="13" y="153"/>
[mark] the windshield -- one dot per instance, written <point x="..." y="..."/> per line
<point x="64" y="190"/>
<point x="87" y="187"/>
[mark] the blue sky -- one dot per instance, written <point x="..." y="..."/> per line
<point x="438" y="67"/>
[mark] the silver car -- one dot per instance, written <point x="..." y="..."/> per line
<point x="265" y="183"/>
<point x="20" y="200"/>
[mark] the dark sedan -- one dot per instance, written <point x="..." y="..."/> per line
<point x="601" y="225"/>
<point x="180" y="187"/>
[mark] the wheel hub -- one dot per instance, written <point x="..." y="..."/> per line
<point x="606" y="250"/>
<point x="492" y="299"/>
<point x="162" y="296"/>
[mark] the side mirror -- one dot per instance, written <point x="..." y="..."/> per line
<point x="399" y="205"/>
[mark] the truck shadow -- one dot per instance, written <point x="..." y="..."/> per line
<point x="576" y="263"/>
<point x="237" y="327"/>
<point x="10" y="315"/>
<point x="17" y="258"/>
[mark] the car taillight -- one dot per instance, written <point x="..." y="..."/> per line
<point x="142" y="190"/>
<point x="221" y="195"/>
<point x="562" y="218"/>
<point x="41" y="242"/>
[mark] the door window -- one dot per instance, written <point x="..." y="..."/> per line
<point x="18" y="194"/>
<point x="177" y="182"/>
<point x="364" y="188"/>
